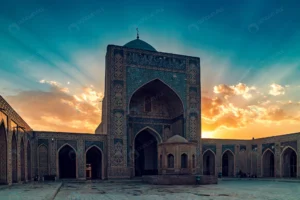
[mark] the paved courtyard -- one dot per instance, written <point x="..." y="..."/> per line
<point x="243" y="189"/>
<point x="126" y="190"/>
<point x="30" y="191"/>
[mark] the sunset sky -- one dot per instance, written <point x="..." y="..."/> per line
<point x="53" y="56"/>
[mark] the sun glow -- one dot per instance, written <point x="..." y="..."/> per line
<point x="207" y="134"/>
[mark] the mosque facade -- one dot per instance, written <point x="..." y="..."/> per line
<point x="151" y="124"/>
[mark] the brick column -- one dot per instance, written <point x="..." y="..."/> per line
<point x="80" y="162"/>
<point x="52" y="152"/>
<point x="25" y="158"/>
<point x="236" y="159"/>
<point x="259" y="152"/>
<point x="248" y="153"/>
<point x="298" y="158"/>
<point x="277" y="160"/>
<point x="34" y="157"/>
<point x="218" y="159"/>
<point x="9" y="154"/>
<point x="200" y="157"/>
<point x="18" y="157"/>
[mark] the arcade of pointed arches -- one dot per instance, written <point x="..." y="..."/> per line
<point x="25" y="157"/>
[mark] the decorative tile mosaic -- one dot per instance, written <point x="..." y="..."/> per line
<point x="136" y="77"/>
<point x="228" y="146"/>
<point x="212" y="147"/>
<point x="290" y="143"/>
<point x="96" y="143"/>
<point x="43" y="141"/>
<point x="60" y="143"/>
<point x="268" y="146"/>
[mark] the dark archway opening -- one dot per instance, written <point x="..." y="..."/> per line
<point x="3" y="155"/>
<point x="67" y="162"/>
<point x="94" y="159"/>
<point x="268" y="164"/>
<point x="184" y="161"/>
<point x="28" y="161"/>
<point x="14" y="159"/>
<point x="289" y="163"/>
<point x="228" y="164"/>
<point x="145" y="146"/>
<point x="208" y="163"/>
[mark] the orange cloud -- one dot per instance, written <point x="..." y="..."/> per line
<point x="223" y="112"/>
<point x="58" y="109"/>
<point x="239" y="89"/>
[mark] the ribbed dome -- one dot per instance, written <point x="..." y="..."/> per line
<point x="139" y="44"/>
<point x="176" y="139"/>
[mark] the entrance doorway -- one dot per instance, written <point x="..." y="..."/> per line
<point x="268" y="164"/>
<point x="145" y="161"/>
<point x="67" y="162"/>
<point x="94" y="161"/>
<point x="208" y="163"/>
<point x="289" y="163"/>
<point x="228" y="164"/>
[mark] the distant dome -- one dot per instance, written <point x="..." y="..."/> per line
<point x="139" y="44"/>
<point x="176" y="139"/>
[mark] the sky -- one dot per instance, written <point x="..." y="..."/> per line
<point x="52" y="57"/>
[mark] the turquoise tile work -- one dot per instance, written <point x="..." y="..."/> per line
<point x="137" y="77"/>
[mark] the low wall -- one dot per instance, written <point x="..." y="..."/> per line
<point x="179" y="180"/>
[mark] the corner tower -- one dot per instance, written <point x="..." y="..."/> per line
<point x="150" y="96"/>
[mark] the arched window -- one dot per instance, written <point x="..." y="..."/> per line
<point x="194" y="161"/>
<point x="160" y="161"/>
<point x="170" y="161"/>
<point x="184" y="160"/>
<point x="148" y="106"/>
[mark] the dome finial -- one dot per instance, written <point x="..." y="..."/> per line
<point x="137" y="33"/>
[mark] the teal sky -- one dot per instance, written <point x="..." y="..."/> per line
<point x="256" y="43"/>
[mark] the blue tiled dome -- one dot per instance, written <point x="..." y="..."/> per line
<point x="139" y="44"/>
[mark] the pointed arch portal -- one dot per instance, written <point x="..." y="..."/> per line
<point x="145" y="153"/>
<point x="208" y="163"/>
<point x="156" y="99"/>
<point x="289" y="163"/>
<point x="67" y="162"/>
<point x="94" y="158"/>
<point x="228" y="164"/>
<point x="268" y="163"/>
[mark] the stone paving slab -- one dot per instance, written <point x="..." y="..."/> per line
<point x="30" y="191"/>
<point x="261" y="179"/>
<point x="225" y="190"/>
